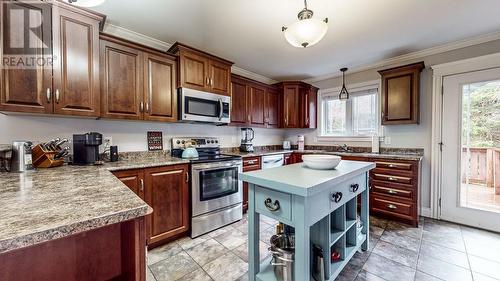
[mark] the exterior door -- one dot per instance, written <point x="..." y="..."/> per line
<point x="76" y="71"/>
<point x="121" y="78"/>
<point x="159" y="85"/>
<point x="26" y="88"/>
<point x="471" y="149"/>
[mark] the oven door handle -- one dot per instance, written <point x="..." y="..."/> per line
<point x="220" y="109"/>
<point x="217" y="167"/>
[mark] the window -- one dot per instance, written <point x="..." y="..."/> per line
<point x="356" y="117"/>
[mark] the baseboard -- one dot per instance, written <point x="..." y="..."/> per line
<point x="425" y="212"/>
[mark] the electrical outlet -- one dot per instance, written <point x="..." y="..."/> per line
<point x="107" y="141"/>
<point x="387" y="140"/>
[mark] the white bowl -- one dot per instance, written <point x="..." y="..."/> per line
<point x="321" y="161"/>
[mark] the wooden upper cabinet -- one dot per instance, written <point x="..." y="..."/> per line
<point x="271" y="107"/>
<point x="121" y="81"/>
<point x="220" y="77"/>
<point x="202" y="71"/>
<point x="256" y="98"/>
<point x="239" y="112"/>
<point x="159" y="88"/>
<point x="76" y="69"/>
<point x="137" y="82"/>
<point x="308" y="112"/>
<point x="194" y="71"/>
<point x="401" y="94"/>
<point x="167" y="193"/>
<point x="291" y="109"/>
<point x="25" y="89"/>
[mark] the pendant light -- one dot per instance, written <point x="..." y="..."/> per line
<point x="306" y="31"/>
<point x="86" y="3"/>
<point x="344" y="94"/>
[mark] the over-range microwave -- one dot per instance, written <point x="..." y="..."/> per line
<point x="198" y="106"/>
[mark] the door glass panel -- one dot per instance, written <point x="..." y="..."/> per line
<point x="480" y="150"/>
<point x="218" y="183"/>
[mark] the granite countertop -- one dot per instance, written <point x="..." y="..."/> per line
<point x="413" y="157"/>
<point x="300" y="180"/>
<point x="46" y="204"/>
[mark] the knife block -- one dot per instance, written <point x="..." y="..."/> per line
<point x="45" y="158"/>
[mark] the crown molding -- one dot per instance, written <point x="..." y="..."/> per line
<point x="252" y="75"/>
<point x="414" y="55"/>
<point x="164" y="46"/>
<point x="136" y="37"/>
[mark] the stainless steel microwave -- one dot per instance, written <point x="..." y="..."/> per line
<point x="198" y="106"/>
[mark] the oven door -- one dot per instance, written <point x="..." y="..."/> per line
<point x="215" y="186"/>
<point x="201" y="106"/>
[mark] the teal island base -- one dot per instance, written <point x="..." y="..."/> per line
<point x="327" y="209"/>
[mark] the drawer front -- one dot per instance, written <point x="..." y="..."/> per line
<point x="391" y="191"/>
<point x="394" y="165"/>
<point x="274" y="203"/>
<point x="251" y="164"/>
<point x="389" y="206"/>
<point x="378" y="175"/>
<point x="348" y="190"/>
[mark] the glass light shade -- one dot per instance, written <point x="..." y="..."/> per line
<point x="306" y="32"/>
<point x="86" y="3"/>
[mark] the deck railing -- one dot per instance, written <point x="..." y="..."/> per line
<point x="483" y="166"/>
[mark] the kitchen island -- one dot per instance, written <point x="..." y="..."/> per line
<point x="320" y="205"/>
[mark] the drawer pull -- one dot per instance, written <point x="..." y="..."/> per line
<point x="391" y="166"/>
<point x="392" y="191"/>
<point x="392" y="179"/>
<point x="273" y="207"/>
<point x="336" y="197"/>
<point x="251" y="162"/>
<point x="392" y="206"/>
<point x="354" y="187"/>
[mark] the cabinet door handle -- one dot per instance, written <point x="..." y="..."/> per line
<point x="392" y="191"/>
<point x="273" y="207"/>
<point x="286" y="122"/>
<point x="354" y="187"/>
<point x="58" y="96"/>
<point x="49" y="95"/>
<point x="147" y="107"/>
<point x="141" y="107"/>
<point x="208" y="81"/>
<point x="211" y="81"/>
<point x="336" y="197"/>
<point x="307" y="120"/>
<point x="187" y="177"/>
<point x="392" y="179"/>
<point x="392" y="206"/>
<point x="142" y="185"/>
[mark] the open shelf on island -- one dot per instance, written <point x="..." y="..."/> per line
<point x="266" y="271"/>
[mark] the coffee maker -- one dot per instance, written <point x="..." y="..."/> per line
<point x="247" y="135"/>
<point x="86" y="148"/>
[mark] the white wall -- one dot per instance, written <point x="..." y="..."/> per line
<point x="128" y="135"/>
<point x="406" y="136"/>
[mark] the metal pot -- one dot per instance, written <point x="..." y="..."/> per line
<point x="283" y="251"/>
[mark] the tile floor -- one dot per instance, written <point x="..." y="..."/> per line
<point x="434" y="251"/>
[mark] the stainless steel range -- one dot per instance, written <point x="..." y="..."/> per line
<point x="216" y="191"/>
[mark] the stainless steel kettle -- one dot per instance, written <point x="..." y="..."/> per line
<point x="21" y="159"/>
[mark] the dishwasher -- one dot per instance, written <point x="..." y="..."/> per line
<point x="271" y="161"/>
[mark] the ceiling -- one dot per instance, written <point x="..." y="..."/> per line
<point x="248" y="32"/>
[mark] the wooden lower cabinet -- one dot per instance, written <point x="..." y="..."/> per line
<point x="249" y="164"/>
<point x="166" y="190"/>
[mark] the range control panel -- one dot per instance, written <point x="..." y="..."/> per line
<point x="180" y="143"/>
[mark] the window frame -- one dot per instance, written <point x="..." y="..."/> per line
<point x="369" y="85"/>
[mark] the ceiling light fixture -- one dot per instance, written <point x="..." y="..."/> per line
<point x="344" y="94"/>
<point x="86" y="3"/>
<point x="307" y="31"/>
